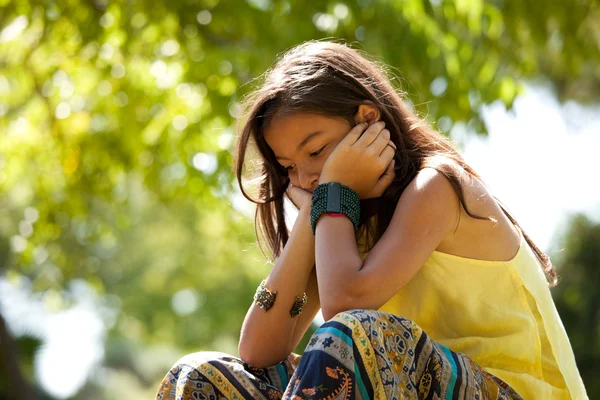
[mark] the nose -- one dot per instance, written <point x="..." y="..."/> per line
<point x="308" y="180"/>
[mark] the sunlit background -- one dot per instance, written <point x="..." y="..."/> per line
<point x="124" y="240"/>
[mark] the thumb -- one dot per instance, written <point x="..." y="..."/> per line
<point x="291" y="194"/>
<point x="386" y="179"/>
<point x="389" y="173"/>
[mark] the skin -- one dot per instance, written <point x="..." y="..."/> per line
<point x="305" y="165"/>
<point x="426" y="218"/>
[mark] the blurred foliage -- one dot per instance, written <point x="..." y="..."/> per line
<point x="116" y="132"/>
<point x="577" y="296"/>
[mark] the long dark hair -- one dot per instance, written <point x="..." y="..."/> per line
<point x="330" y="78"/>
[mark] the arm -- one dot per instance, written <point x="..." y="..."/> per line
<point x="267" y="337"/>
<point x="426" y="212"/>
<point x="309" y="311"/>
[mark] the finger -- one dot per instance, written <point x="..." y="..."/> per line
<point x="380" y="142"/>
<point x="298" y="191"/>
<point x="389" y="144"/>
<point x="292" y="191"/>
<point x="387" y="155"/>
<point x="385" y="180"/>
<point x="355" y="133"/>
<point x="288" y="193"/>
<point x="390" y="168"/>
<point x="389" y="174"/>
<point x="370" y="134"/>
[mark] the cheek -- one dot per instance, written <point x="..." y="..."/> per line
<point x="320" y="163"/>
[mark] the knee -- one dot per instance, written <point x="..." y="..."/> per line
<point x="202" y="357"/>
<point x="366" y="316"/>
<point x="189" y="370"/>
<point x="196" y="363"/>
<point x="349" y="321"/>
<point x="349" y="315"/>
<point x="375" y="325"/>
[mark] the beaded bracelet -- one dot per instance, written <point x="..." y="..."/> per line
<point x="349" y="204"/>
<point x="298" y="305"/>
<point x="264" y="297"/>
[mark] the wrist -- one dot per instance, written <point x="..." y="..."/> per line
<point x="304" y="211"/>
<point x="334" y="198"/>
<point x="329" y="179"/>
<point x="324" y="179"/>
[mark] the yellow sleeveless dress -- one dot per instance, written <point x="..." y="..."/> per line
<point x="499" y="313"/>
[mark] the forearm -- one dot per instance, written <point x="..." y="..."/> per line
<point x="266" y="336"/>
<point x="337" y="262"/>
<point x="311" y="308"/>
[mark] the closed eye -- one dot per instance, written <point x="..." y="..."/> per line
<point x="314" y="154"/>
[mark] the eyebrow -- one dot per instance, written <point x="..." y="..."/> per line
<point x="302" y="143"/>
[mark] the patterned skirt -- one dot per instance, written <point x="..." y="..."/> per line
<point x="358" y="354"/>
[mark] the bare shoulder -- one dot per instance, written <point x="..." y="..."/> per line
<point x="493" y="238"/>
<point x="430" y="179"/>
<point x="437" y="177"/>
<point x="430" y="197"/>
<point x="426" y="211"/>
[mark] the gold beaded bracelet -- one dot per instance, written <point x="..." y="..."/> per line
<point x="298" y="305"/>
<point x="264" y="297"/>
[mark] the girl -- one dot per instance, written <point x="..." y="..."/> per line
<point x="429" y="288"/>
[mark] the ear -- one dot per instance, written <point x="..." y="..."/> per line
<point x="367" y="112"/>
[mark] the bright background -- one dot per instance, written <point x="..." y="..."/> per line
<point x="124" y="240"/>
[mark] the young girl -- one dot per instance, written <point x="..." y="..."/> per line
<point x="429" y="288"/>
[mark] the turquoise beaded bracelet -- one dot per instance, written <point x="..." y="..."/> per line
<point x="349" y="203"/>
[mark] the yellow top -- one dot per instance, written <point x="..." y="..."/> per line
<point x="499" y="313"/>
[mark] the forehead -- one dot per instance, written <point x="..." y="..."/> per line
<point x="286" y="132"/>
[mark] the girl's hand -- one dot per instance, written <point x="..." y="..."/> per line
<point x="300" y="197"/>
<point x="363" y="160"/>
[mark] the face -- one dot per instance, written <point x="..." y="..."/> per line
<point x="302" y="142"/>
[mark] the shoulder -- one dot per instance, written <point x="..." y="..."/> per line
<point x="429" y="182"/>
<point x="429" y="199"/>
<point x="426" y="213"/>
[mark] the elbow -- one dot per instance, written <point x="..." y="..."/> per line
<point x="329" y="313"/>
<point x="261" y="359"/>
<point x="251" y="359"/>
<point x="336" y="304"/>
